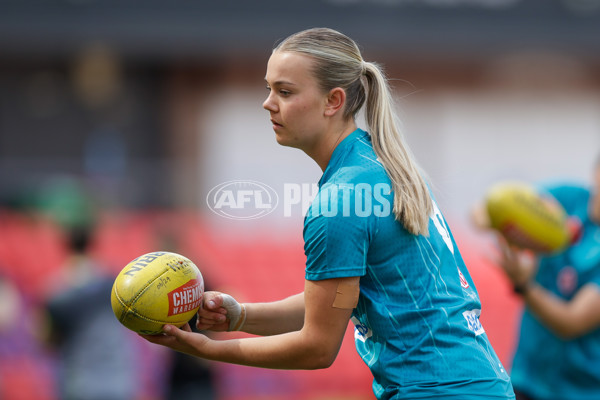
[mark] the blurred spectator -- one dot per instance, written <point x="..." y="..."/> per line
<point x="98" y="359"/>
<point x="189" y="377"/>
<point x="25" y="371"/>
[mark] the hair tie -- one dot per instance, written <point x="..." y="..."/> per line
<point x="364" y="67"/>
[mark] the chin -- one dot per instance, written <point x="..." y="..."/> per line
<point x="284" y="141"/>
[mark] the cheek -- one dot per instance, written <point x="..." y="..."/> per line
<point x="297" y="111"/>
<point x="303" y="111"/>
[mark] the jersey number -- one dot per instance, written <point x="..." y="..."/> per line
<point x="440" y="224"/>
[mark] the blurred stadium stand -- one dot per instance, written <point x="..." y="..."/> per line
<point x="209" y="29"/>
<point x="113" y="89"/>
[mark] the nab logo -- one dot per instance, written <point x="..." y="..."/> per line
<point x="242" y="200"/>
<point x="472" y="317"/>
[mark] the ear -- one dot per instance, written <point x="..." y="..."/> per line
<point x="336" y="99"/>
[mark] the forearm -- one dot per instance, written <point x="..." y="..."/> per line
<point x="274" y="318"/>
<point x="313" y="330"/>
<point x="567" y="319"/>
<point x="286" y="351"/>
<point x="549" y="309"/>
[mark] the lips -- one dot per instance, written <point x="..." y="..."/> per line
<point x="276" y="125"/>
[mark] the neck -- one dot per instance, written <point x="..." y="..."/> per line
<point x="322" y="151"/>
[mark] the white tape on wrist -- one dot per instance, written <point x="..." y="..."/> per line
<point x="236" y="312"/>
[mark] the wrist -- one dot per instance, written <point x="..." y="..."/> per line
<point x="237" y="326"/>
<point x="522" y="288"/>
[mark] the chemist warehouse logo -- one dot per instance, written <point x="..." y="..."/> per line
<point x="245" y="200"/>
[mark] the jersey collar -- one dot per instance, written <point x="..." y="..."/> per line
<point x="338" y="153"/>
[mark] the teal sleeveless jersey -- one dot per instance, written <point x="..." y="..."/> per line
<point x="565" y="369"/>
<point x="417" y="320"/>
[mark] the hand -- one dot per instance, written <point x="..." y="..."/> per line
<point x="181" y="339"/>
<point x="220" y="312"/>
<point x="518" y="266"/>
<point x="479" y="217"/>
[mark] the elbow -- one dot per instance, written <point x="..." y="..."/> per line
<point x="570" y="330"/>
<point x="321" y="362"/>
<point x="320" y="359"/>
<point x="568" y="333"/>
<point x="318" y="351"/>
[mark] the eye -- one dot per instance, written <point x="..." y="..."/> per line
<point x="281" y="92"/>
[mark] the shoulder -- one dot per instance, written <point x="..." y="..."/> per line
<point x="569" y="187"/>
<point x="569" y="194"/>
<point x="360" y="165"/>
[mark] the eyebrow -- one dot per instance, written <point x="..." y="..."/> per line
<point x="281" y="83"/>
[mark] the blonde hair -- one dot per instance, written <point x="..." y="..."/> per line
<point x="338" y="63"/>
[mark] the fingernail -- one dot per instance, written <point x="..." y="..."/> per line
<point x="211" y="304"/>
<point x="167" y="328"/>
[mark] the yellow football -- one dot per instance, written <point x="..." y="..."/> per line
<point x="156" y="289"/>
<point x="527" y="218"/>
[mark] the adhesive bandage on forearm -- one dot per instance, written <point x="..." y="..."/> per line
<point x="236" y="312"/>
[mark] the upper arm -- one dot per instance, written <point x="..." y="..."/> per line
<point x="336" y="244"/>
<point x="325" y="322"/>
<point x="336" y="248"/>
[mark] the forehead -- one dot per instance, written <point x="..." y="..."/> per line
<point x="289" y="67"/>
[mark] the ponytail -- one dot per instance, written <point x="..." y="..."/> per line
<point x="412" y="201"/>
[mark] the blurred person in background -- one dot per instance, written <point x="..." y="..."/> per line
<point x="189" y="377"/>
<point x="558" y="353"/>
<point x="397" y="275"/>
<point x="97" y="358"/>
<point x="25" y="368"/>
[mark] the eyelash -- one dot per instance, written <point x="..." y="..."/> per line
<point x="281" y="91"/>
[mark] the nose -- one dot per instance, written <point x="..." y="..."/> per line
<point x="269" y="104"/>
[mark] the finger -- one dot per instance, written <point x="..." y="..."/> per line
<point x="212" y="326"/>
<point x="211" y="319"/>
<point x="160" y="339"/>
<point x="513" y="254"/>
<point x="220" y="327"/>
<point x="206" y="316"/>
<point x="506" y="250"/>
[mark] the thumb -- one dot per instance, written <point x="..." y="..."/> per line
<point x="213" y="300"/>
